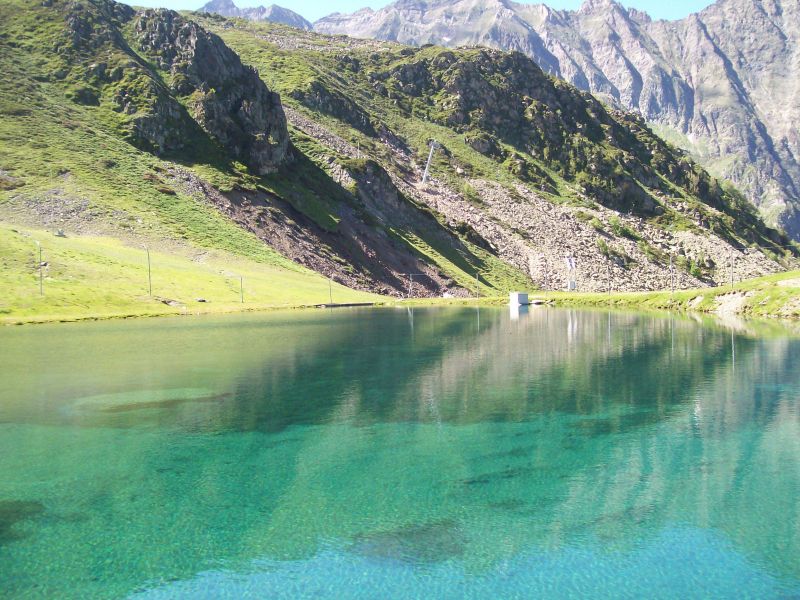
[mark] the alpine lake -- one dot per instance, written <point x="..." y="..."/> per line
<point x="400" y="453"/>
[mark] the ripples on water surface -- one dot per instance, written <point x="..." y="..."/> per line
<point x="389" y="454"/>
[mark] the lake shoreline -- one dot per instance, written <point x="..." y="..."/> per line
<point x="771" y="297"/>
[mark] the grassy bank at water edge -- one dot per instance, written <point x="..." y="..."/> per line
<point x="87" y="277"/>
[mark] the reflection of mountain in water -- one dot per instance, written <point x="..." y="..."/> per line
<point x="618" y="438"/>
<point x="468" y="438"/>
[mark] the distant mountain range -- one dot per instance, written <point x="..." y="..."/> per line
<point x="723" y="83"/>
<point x="272" y="13"/>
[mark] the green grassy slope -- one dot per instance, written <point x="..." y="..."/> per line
<point x="61" y="163"/>
<point x="52" y="147"/>
<point x="97" y="277"/>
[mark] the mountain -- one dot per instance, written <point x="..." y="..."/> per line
<point x="296" y="155"/>
<point x="272" y="13"/>
<point x="721" y="83"/>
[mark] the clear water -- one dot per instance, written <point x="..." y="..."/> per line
<point x="447" y="453"/>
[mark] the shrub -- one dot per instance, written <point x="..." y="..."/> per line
<point x="619" y="229"/>
<point x="597" y="224"/>
<point x="653" y="255"/>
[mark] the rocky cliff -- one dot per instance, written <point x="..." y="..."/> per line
<point x="721" y="83"/>
<point x="172" y="84"/>
<point x="226" y="98"/>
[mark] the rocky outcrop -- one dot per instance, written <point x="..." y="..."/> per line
<point x="198" y="90"/>
<point x="272" y="13"/>
<point x="317" y="97"/>
<point x="715" y="82"/>
<point x="226" y="98"/>
<point x="491" y="96"/>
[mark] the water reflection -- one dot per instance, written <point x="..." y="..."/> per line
<point x="422" y="437"/>
<point x="517" y="310"/>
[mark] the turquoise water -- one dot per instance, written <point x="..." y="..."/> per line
<point x="390" y="453"/>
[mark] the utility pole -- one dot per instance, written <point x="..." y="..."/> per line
<point x="330" y="290"/>
<point x="477" y="286"/>
<point x="434" y="146"/>
<point x="149" y="273"/>
<point x="608" y="277"/>
<point x="411" y="282"/>
<point x="730" y="265"/>
<point x="41" y="266"/>
<point x="241" y="289"/>
<point x="671" y="276"/>
<point x="544" y="261"/>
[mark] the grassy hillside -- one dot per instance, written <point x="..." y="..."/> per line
<point x="63" y="164"/>
<point x="100" y="277"/>
<point x="513" y="143"/>
<point x="497" y="115"/>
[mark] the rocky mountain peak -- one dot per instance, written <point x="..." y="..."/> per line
<point x="220" y="6"/>
<point x="601" y="6"/>
<point x="272" y="13"/>
<point x="198" y="90"/>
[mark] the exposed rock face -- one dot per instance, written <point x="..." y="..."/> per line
<point x="227" y="99"/>
<point x="202" y="89"/>
<point x="272" y="13"/>
<point x="719" y="83"/>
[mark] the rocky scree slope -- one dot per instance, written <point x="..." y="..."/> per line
<point x="145" y="126"/>
<point x="721" y="83"/>
<point x="529" y="168"/>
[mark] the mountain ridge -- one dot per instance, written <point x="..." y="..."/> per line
<point x="701" y="80"/>
<point x="272" y="13"/>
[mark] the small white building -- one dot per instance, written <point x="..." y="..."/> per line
<point x="518" y="299"/>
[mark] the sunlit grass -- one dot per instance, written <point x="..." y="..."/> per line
<point x="95" y="277"/>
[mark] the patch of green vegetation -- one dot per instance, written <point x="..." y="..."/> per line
<point x="765" y="297"/>
<point x="470" y="267"/>
<point x="619" y="229"/>
<point x="309" y="190"/>
<point x="87" y="277"/>
<point x="617" y="255"/>
<point x="597" y="225"/>
<point x="771" y="297"/>
<point x="653" y="254"/>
